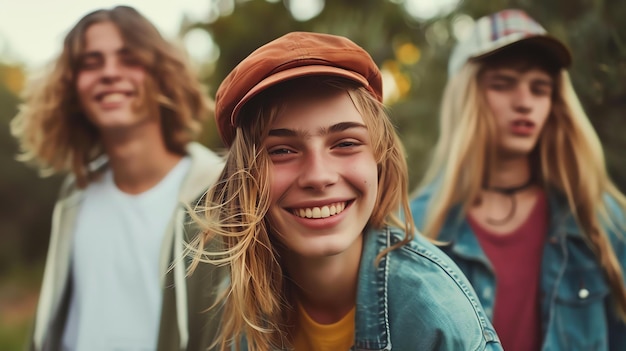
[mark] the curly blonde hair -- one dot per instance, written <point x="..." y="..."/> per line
<point x="258" y="302"/>
<point x="52" y="129"/>
<point x="568" y="158"/>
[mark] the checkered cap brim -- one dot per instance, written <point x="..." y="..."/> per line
<point x="499" y="30"/>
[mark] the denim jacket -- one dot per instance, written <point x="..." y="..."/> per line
<point x="416" y="299"/>
<point x="576" y="308"/>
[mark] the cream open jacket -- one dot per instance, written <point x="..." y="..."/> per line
<point x="183" y="326"/>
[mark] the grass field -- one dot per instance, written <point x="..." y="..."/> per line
<point x="19" y="291"/>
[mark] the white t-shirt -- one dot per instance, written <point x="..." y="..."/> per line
<point x="116" y="299"/>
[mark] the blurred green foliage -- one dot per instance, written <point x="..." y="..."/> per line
<point x="594" y="30"/>
<point x="27" y="200"/>
<point x="25" y="216"/>
<point x="414" y="52"/>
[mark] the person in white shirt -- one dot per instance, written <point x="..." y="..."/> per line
<point x="117" y="112"/>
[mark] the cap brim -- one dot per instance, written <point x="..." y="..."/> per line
<point x="552" y="45"/>
<point x="293" y="73"/>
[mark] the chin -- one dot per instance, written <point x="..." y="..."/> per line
<point x="517" y="151"/>
<point x="317" y="249"/>
<point x="320" y="247"/>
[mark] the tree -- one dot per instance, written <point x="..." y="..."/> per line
<point x="26" y="209"/>
<point x="593" y="30"/>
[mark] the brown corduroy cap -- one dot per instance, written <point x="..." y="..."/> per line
<point x="294" y="55"/>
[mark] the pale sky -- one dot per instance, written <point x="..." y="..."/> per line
<point x="32" y="31"/>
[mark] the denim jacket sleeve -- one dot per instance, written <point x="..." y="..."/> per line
<point x="617" y="235"/>
<point x="416" y="298"/>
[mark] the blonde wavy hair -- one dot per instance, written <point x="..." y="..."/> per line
<point x="258" y="302"/>
<point x="53" y="132"/>
<point x="568" y="159"/>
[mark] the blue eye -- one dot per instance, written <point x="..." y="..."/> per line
<point x="348" y="144"/>
<point x="280" y="151"/>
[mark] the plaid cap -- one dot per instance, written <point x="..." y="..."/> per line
<point x="294" y="55"/>
<point x="499" y="30"/>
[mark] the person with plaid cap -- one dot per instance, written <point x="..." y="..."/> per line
<point x="306" y="209"/>
<point x="518" y="189"/>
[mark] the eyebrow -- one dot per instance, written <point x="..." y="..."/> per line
<point x="509" y="78"/>
<point x="95" y="53"/>
<point x="543" y="82"/>
<point x="503" y="76"/>
<point x="335" y="128"/>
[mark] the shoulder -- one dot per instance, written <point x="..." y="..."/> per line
<point x="70" y="194"/>
<point x="442" y="302"/>
<point x="615" y="210"/>
<point x="614" y="224"/>
<point x="202" y="154"/>
<point x="68" y="187"/>
<point x="428" y="289"/>
<point x="616" y="227"/>
<point x="421" y="262"/>
<point x="204" y="171"/>
<point x="419" y="203"/>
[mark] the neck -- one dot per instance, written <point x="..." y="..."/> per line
<point x="326" y="287"/>
<point x="510" y="174"/>
<point x="139" y="159"/>
<point x="507" y="181"/>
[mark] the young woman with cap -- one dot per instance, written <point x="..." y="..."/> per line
<point x="518" y="187"/>
<point x="306" y="208"/>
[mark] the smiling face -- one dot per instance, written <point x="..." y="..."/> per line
<point x="109" y="79"/>
<point x="521" y="102"/>
<point x="324" y="178"/>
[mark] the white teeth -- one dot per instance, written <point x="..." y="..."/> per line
<point x="113" y="97"/>
<point x="320" y="212"/>
<point x="325" y="212"/>
<point x="317" y="213"/>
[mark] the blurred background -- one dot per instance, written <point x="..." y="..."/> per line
<point x="409" y="39"/>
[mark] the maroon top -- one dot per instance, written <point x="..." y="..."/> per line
<point x="516" y="258"/>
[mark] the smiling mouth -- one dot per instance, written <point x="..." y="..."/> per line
<point x="112" y="97"/>
<point x="320" y="212"/>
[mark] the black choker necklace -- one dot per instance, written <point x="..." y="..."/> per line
<point x="510" y="193"/>
<point x="511" y="190"/>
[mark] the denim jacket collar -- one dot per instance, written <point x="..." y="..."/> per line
<point x="458" y="235"/>
<point x="372" y="310"/>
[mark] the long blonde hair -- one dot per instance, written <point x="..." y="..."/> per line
<point x="568" y="158"/>
<point x="54" y="133"/>
<point x="258" y="302"/>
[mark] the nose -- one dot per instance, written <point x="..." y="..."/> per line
<point x="111" y="70"/>
<point x="523" y="99"/>
<point x="318" y="171"/>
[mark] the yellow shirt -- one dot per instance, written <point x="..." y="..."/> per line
<point x="312" y="336"/>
